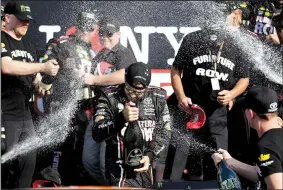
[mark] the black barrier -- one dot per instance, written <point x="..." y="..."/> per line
<point x="189" y="185"/>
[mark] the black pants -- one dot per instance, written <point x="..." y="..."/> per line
<point x="214" y="134"/>
<point x="23" y="167"/>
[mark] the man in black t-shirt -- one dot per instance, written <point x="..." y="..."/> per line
<point x="209" y="83"/>
<point x="113" y="57"/>
<point x="261" y="107"/>
<point x="108" y="68"/>
<point x="18" y="75"/>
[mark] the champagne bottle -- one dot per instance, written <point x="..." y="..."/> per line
<point x="133" y="144"/>
<point x="46" y="81"/>
<point x="87" y="92"/>
<point x="227" y="178"/>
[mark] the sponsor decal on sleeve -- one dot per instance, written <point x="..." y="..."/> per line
<point x="264" y="157"/>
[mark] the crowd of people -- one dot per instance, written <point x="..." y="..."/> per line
<point x="122" y="126"/>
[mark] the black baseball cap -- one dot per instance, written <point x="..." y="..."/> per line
<point x="87" y="21"/>
<point x="107" y="26"/>
<point x="20" y="9"/>
<point x="261" y="100"/>
<point x="138" y="72"/>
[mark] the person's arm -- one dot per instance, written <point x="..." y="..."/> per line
<point x="105" y="124"/>
<point x="240" y="87"/>
<point x="247" y="171"/>
<point x="161" y="134"/>
<point x="177" y="83"/>
<point x="241" y="74"/>
<point x="274" y="181"/>
<point x="117" y="77"/>
<point x="13" y="67"/>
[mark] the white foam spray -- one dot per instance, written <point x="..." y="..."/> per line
<point x="54" y="129"/>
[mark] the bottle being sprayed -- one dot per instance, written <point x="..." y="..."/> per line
<point x="133" y="145"/>
<point x="87" y="92"/>
<point x="46" y="82"/>
<point x="227" y="178"/>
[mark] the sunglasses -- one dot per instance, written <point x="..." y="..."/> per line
<point x="130" y="90"/>
<point x="108" y="34"/>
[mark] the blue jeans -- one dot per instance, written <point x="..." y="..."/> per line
<point x="94" y="156"/>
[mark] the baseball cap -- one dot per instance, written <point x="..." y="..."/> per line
<point x="2" y="11"/>
<point x="197" y="117"/>
<point x="106" y="26"/>
<point x="261" y="100"/>
<point x="20" y="10"/>
<point x="138" y="72"/>
<point x="87" y="21"/>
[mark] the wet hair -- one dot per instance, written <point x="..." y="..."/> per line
<point x="267" y="116"/>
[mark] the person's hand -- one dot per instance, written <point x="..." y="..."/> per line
<point x="89" y="79"/>
<point x="146" y="163"/>
<point x="225" y="97"/>
<point x="130" y="112"/>
<point x="51" y="67"/>
<point x="274" y="38"/>
<point x="234" y="19"/>
<point x="231" y="104"/>
<point x="220" y="155"/>
<point x="184" y="104"/>
<point x="43" y="89"/>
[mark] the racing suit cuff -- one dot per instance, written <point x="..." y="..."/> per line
<point x="120" y="120"/>
<point x="149" y="154"/>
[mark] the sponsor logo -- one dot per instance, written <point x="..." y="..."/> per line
<point x="231" y="183"/>
<point x="264" y="157"/>
<point x="148" y="101"/>
<point x="264" y="25"/>
<point x="105" y="124"/>
<point x="25" y="8"/>
<point x="209" y="59"/>
<point x="23" y="54"/>
<point x="147" y="128"/>
<point x="211" y="73"/>
<point x="273" y="107"/>
<point x="148" y="107"/>
<point x="267" y="163"/>
<point x="3" y="48"/>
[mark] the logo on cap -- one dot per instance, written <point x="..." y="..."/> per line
<point x="25" y="8"/>
<point x="273" y="107"/>
<point x="140" y="77"/>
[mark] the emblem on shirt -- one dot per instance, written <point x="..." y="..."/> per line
<point x="267" y="163"/>
<point x="264" y="157"/>
<point x="3" y="47"/>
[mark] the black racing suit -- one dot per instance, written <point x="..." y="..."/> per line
<point x="110" y="125"/>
